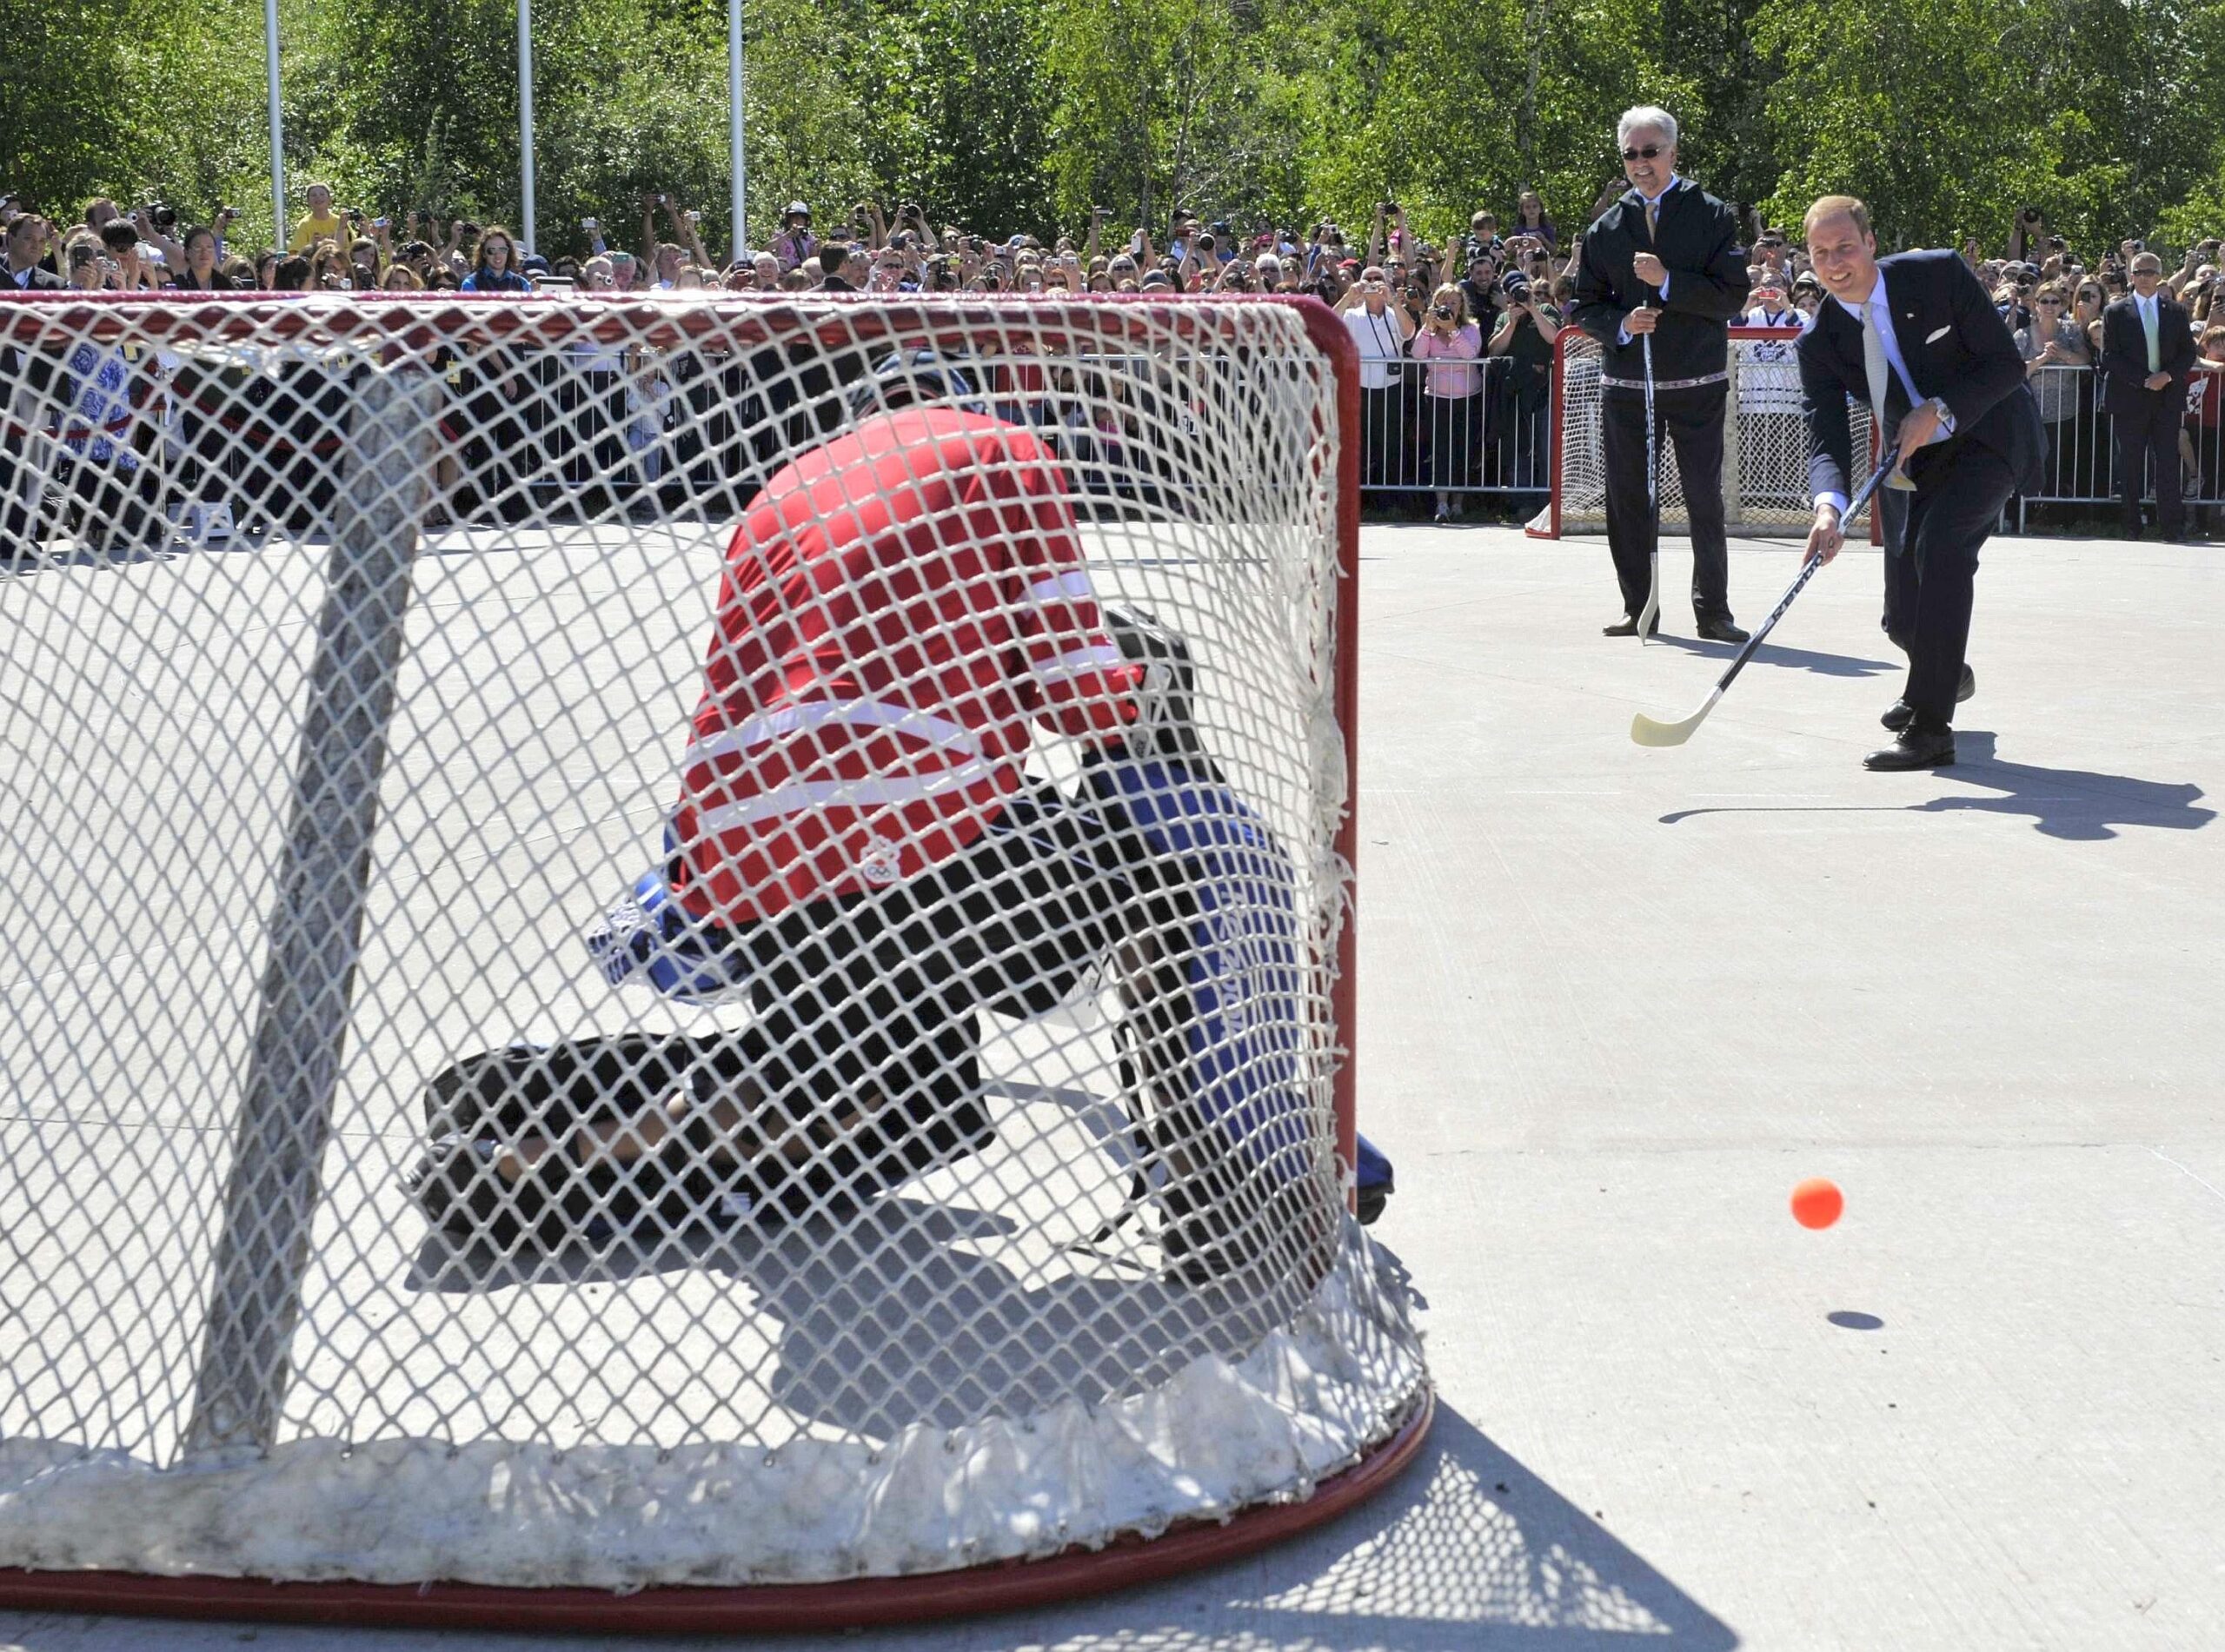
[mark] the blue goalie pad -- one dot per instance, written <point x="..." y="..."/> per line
<point x="1373" y="1182"/>
<point x="1244" y="1064"/>
<point x="645" y="937"/>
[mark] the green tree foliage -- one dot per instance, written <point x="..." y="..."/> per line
<point x="1004" y="114"/>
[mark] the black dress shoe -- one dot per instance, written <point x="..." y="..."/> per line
<point x="1916" y="748"/>
<point x="1721" y="631"/>
<point x="1627" y="627"/>
<point x="1898" y="714"/>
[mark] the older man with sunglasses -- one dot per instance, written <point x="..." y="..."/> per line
<point x="1664" y="261"/>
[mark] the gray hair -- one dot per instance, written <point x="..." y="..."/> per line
<point x="1644" y="117"/>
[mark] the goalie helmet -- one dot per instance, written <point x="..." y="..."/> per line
<point x="903" y="377"/>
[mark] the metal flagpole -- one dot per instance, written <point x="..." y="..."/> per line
<point x="525" y="118"/>
<point x="277" y="126"/>
<point x="733" y="123"/>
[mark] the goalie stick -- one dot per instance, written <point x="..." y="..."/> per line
<point x="1647" y="731"/>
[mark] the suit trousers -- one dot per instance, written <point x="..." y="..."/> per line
<point x="1931" y="566"/>
<point x="2149" y="430"/>
<point x="1691" y="421"/>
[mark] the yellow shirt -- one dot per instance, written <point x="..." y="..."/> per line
<point x="313" y="229"/>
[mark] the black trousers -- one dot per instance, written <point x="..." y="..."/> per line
<point x="1932" y="540"/>
<point x="2148" y="430"/>
<point x="1382" y="440"/>
<point x="1691" y="421"/>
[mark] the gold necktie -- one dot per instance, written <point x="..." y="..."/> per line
<point x="1652" y="217"/>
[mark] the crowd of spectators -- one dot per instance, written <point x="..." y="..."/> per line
<point x="1456" y="338"/>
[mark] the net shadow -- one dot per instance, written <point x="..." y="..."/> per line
<point x="903" y="1290"/>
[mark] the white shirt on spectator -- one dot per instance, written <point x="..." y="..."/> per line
<point x="1378" y="341"/>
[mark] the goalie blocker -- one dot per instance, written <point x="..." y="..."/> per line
<point x="862" y="1068"/>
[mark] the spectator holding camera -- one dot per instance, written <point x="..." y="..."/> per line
<point x="1452" y="393"/>
<point x="795" y="243"/>
<point x="1524" y="334"/>
<point x="1529" y="219"/>
<point x="1380" y="330"/>
<point x="137" y="269"/>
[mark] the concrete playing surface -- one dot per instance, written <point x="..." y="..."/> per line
<point x="1615" y="1003"/>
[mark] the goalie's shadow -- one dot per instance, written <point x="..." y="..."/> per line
<point x="892" y="1316"/>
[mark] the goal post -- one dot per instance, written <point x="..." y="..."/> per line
<point x="363" y="658"/>
<point x="1764" y="475"/>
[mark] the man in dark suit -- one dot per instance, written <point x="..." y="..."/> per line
<point x="1664" y="261"/>
<point x="27" y="238"/>
<point x="2146" y="353"/>
<point x="1916" y="337"/>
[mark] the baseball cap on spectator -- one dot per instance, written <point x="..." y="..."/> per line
<point x="535" y="262"/>
<point x="1807" y="281"/>
<point x="796" y="209"/>
<point x="1157" y="279"/>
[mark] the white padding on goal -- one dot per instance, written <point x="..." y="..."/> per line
<point x="1304" y="1403"/>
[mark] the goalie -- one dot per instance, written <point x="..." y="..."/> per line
<point x="856" y="849"/>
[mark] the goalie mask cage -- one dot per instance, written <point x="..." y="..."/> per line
<point x="351" y="651"/>
<point x="1765" y="489"/>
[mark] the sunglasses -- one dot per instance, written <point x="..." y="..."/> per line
<point x="1645" y="154"/>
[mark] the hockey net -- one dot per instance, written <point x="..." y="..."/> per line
<point x="1764" y="479"/>
<point x="353" y="652"/>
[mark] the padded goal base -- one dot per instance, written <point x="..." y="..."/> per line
<point x="867" y="1602"/>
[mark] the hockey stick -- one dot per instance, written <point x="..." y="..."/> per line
<point x="1652" y="499"/>
<point x="1646" y="732"/>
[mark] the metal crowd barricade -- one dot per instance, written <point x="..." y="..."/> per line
<point x="1494" y="442"/>
<point x="2081" y="462"/>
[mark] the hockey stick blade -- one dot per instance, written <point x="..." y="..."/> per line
<point x="1648" y="731"/>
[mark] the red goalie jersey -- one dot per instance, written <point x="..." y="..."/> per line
<point x="897" y="605"/>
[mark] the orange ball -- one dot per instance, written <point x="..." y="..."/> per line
<point x="1817" y="1203"/>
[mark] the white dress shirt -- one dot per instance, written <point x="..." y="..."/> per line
<point x="1881" y="313"/>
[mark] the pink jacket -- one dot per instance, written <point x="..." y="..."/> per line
<point x="1461" y="378"/>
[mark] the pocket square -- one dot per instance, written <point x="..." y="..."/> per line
<point x="1934" y="337"/>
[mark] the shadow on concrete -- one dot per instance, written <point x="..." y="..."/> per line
<point x="1827" y="665"/>
<point x="1854" y="1319"/>
<point x="1468" y="1551"/>
<point x="2078" y="804"/>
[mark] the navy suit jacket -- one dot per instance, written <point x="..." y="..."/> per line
<point x="2124" y="353"/>
<point x="1956" y="348"/>
<point x="1698" y="243"/>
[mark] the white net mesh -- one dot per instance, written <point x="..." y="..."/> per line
<point x="931" y="1160"/>
<point x="1764" y="477"/>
